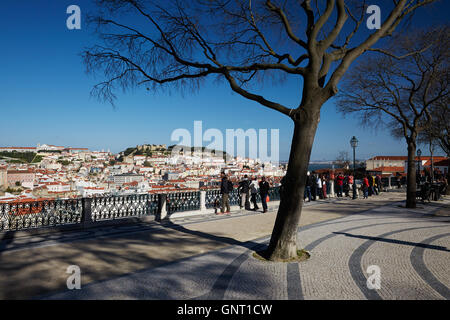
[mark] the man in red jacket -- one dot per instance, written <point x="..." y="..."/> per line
<point x="340" y="184"/>
<point x="366" y="187"/>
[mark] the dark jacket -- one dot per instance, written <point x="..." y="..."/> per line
<point x="312" y="181"/>
<point x="244" y="186"/>
<point x="224" y="186"/>
<point x="264" y="187"/>
<point x="378" y="180"/>
<point x="308" y="181"/>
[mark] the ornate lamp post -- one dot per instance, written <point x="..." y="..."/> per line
<point x="354" y="144"/>
<point x="419" y="153"/>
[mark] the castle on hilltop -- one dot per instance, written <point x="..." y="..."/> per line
<point x="152" y="147"/>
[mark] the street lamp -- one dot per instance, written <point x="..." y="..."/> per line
<point x="354" y="144"/>
<point x="419" y="153"/>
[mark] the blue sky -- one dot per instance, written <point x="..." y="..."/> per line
<point x="45" y="96"/>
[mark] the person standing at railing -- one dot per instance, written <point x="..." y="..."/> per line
<point x="350" y="183"/>
<point x="369" y="178"/>
<point x="254" y="191"/>
<point x="340" y="184"/>
<point x="244" y="190"/>
<point x="226" y="186"/>
<point x="374" y="185"/>
<point x="328" y="184"/>
<point x="398" y="180"/>
<point x="319" y="186"/>
<point x="365" y="186"/>
<point x="264" y="192"/>
<point x="324" y="186"/>
<point x="313" y="186"/>
<point x="308" y="187"/>
<point x="378" y="182"/>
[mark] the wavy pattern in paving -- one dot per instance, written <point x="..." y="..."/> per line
<point x="411" y="248"/>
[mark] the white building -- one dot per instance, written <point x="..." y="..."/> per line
<point x="93" y="191"/>
<point x="58" y="187"/>
<point x="126" y="178"/>
<point x="385" y="161"/>
<point x="139" y="160"/>
<point x="48" y="147"/>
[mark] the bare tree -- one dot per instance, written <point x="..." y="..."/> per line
<point x="241" y="42"/>
<point x="437" y="135"/>
<point x="439" y="131"/>
<point x="342" y="160"/>
<point x="401" y="92"/>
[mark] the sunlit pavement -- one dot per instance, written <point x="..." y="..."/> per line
<point x="210" y="257"/>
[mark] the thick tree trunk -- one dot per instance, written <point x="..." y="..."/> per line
<point x="283" y="244"/>
<point x="411" y="175"/>
<point x="448" y="176"/>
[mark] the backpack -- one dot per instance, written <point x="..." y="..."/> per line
<point x="230" y="186"/>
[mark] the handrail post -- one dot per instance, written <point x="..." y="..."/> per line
<point x="202" y="200"/>
<point x="86" y="216"/>
<point x="162" y="207"/>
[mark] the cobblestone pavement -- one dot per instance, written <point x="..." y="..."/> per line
<point x="410" y="248"/>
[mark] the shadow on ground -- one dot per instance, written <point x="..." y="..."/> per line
<point x="31" y="272"/>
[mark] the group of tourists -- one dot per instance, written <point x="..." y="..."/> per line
<point x="316" y="186"/>
<point x="426" y="176"/>
<point x="371" y="185"/>
<point x="319" y="185"/>
<point x="431" y="186"/>
<point x="248" y="190"/>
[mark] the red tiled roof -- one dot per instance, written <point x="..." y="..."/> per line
<point x="55" y="183"/>
<point x="404" y="158"/>
<point x="132" y="183"/>
<point x="439" y="163"/>
<point x="389" y="169"/>
<point x="389" y="158"/>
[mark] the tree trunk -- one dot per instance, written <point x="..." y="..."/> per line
<point x="283" y="243"/>
<point x="411" y="175"/>
<point x="448" y="175"/>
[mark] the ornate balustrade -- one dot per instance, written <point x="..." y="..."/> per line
<point x="36" y="214"/>
<point x="183" y="201"/>
<point x="109" y="208"/>
<point x="274" y="193"/>
<point x="213" y="197"/>
<point x="88" y="211"/>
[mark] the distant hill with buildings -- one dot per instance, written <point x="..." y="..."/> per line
<point x="153" y="149"/>
<point x="204" y="149"/>
<point x="146" y="149"/>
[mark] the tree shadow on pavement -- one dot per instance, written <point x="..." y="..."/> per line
<point x="35" y="271"/>
<point x="394" y="241"/>
<point x="6" y="239"/>
<point x="247" y="244"/>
